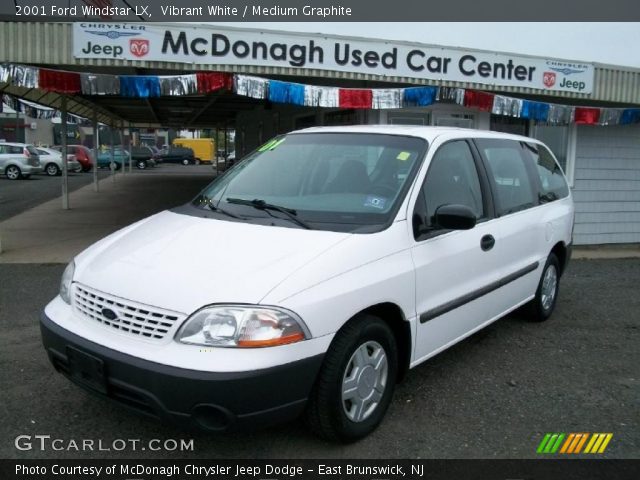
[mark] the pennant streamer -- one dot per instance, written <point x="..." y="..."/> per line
<point x="560" y="114"/>
<point x="587" y="116"/>
<point x="419" y="96"/>
<point x="285" y="92"/>
<point x="630" y="115"/>
<point x="254" y="87"/>
<point x="481" y="100"/>
<point x="212" y="81"/>
<point x="140" y="86"/>
<point x="296" y="94"/>
<point x="609" y="116"/>
<point x="95" y="84"/>
<point x="61" y="82"/>
<point x="180" y="85"/>
<point x="321" y="96"/>
<point x="386" y="98"/>
<point x="355" y="98"/>
<point x="535" y="110"/>
<point x="450" y="95"/>
<point x="511" y="107"/>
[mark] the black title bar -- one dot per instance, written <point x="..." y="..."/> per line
<point x="543" y="469"/>
<point x="321" y="10"/>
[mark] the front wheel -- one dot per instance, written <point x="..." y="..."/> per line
<point x="543" y="304"/>
<point x="185" y="161"/>
<point x="141" y="164"/>
<point x="355" y="385"/>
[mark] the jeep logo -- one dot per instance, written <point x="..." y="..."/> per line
<point x="112" y="50"/>
<point x="573" y="85"/>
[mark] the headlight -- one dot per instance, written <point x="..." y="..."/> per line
<point x="242" y="326"/>
<point x="65" y="282"/>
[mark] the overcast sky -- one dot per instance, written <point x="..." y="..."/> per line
<point x="612" y="43"/>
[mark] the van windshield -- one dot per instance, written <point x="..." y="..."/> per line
<point x="350" y="182"/>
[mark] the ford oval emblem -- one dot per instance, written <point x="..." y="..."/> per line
<point x="109" y="314"/>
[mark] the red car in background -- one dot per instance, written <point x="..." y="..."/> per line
<point x="83" y="155"/>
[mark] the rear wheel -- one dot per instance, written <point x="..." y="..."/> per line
<point x="141" y="164"/>
<point x="185" y="161"/>
<point x="52" y="169"/>
<point x="13" y="173"/>
<point x="543" y="304"/>
<point x="198" y="162"/>
<point x="355" y="385"/>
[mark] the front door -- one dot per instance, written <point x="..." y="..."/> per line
<point x="455" y="269"/>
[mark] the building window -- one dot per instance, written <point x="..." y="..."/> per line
<point x="561" y="140"/>
<point x="517" y="126"/>
<point x="461" y="120"/>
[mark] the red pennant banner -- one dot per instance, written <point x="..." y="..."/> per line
<point x="61" y="82"/>
<point x="587" y="116"/>
<point x="353" y="98"/>
<point x="480" y="100"/>
<point x="212" y="81"/>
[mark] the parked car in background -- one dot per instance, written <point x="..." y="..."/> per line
<point x="18" y="160"/>
<point x="225" y="163"/>
<point x="51" y="161"/>
<point x="84" y="155"/>
<point x="120" y="157"/>
<point x="177" y="155"/>
<point x="143" y="157"/>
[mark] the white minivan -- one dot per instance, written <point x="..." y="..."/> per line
<point x="313" y="275"/>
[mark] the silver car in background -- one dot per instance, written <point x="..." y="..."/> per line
<point x="18" y="160"/>
<point x="51" y="161"/>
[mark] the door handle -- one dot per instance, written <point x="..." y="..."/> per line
<point x="487" y="242"/>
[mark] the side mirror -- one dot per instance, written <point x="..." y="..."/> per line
<point x="455" y="217"/>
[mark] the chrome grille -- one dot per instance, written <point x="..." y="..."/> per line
<point x="130" y="317"/>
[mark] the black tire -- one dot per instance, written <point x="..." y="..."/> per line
<point x="326" y="413"/>
<point x="141" y="164"/>
<point x="541" y="307"/>
<point x="51" y="169"/>
<point x="185" y="161"/>
<point x="13" y="172"/>
<point x="198" y="162"/>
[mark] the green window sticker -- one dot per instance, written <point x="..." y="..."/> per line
<point x="404" y="156"/>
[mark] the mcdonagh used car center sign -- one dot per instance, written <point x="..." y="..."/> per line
<point x="394" y="59"/>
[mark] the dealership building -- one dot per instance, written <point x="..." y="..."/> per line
<point x="588" y="113"/>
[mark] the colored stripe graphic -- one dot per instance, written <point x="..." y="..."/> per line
<point x="550" y="443"/>
<point x="572" y="443"/>
<point x="598" y="443"/>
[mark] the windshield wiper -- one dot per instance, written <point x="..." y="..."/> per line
<point x="262" y="205"/>
<point x="207" y="201"/>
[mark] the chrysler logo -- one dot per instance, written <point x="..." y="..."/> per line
<point x="109" y="314"/>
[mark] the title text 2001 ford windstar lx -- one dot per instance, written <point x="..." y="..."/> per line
<point x="313" y="274"/>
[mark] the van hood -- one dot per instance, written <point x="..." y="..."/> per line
<point x="181" y="262"/>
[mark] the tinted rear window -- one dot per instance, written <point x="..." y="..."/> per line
<point x="552" y="183"/>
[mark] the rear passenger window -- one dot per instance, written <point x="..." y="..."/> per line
<point x="552" y="183"/>
<point x="507" y="167"/>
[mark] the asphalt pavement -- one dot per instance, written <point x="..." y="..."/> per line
<point x="17" y="196"/>
<point x="493" y="395"/>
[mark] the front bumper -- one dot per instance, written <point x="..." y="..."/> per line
<point x="190" y="398"/>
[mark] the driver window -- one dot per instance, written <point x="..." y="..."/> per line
<point x="452" y="179"/>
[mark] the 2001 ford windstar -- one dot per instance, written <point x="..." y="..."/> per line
<point x="329" y="262"/>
